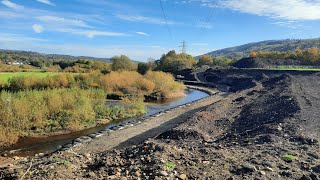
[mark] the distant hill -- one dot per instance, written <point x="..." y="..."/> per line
<point x="36" y="55"/>
<point x="242" y="51"/>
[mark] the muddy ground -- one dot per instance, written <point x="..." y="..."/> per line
<point x="268" y="128"/>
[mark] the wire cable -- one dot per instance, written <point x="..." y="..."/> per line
<point x="206" y="24"/>
<point x="165" y="19"/>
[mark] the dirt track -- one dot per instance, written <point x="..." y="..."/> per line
<point x="147" y="129"/>
<point x="307" y="90"/>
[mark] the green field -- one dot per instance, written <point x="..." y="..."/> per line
<point x="4" y="77"/>
<point x="284" y="68"/>
<point x="294" y="68"/>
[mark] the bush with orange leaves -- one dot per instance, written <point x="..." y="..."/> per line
<point x="126" y="82"/>
<point x="165" y="85"/>
<point x="253" y="54"/>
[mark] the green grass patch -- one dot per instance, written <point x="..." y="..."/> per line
<point x="4" y="77"/>
<point x="170" y="166"/>
<point x="58" y="160"/>
<point x="288" y="157"/>
<point x="297" y="68"/>
<point x="285" y="68"/>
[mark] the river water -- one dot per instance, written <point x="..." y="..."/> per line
<point x="31" y="146"/>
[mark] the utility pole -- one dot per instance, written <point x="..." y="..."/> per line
<point x="183" y="47"/>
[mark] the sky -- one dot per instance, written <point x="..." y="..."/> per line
<point x="143" y="29"/>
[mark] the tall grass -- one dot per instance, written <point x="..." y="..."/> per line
<point x="41" y="105"/>
<point x="165" y="86"/>
<point x="34" y="112"/>
<point x="119" y="83"/>
<point x="153" y="83"/>
<point x="126" y="82"/>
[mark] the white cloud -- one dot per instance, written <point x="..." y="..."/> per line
<point x="63" y="21"/>
<point x="92" y="33"/>
<point x="37" y="28"/>
<point x="284" y="9"/>
<point x="142" y="33"/>
<point x="12" y="5"/>
<point x="144" y="19"/>
<point x="48" y="2"/>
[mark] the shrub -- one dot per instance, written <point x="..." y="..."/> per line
<point x="172" y="62"/>
<point x="165" y="85"/>
<point x="7" y="137"/>
<point x="126" y="82"/>
<point x="122" y="63"/>
<point x="205" y="60"/>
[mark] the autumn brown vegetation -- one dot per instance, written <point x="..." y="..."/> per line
<point x="70" y="102"/>
<point x="119" y="83"/>
<point x="75" y="98"/>
<point x="309" y="56"/>
<point x="36" y="112"/>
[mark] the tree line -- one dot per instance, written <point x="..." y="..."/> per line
<point x="309" y="56"/>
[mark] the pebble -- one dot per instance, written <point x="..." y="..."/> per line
<point x="269" y="169"/>
<point x="92" y="135"/>
<point x="164" y="173"/>
<point x="138" y="173"/>
<point x="112" y="177"/>
<point x="249" y="167"/>
<point x="183" y="176"/>
<point x="99" y="135"/>
<point x="206" y="162"/>
<point x="262" y="173"/>
<point x="40" y="154"/>
<point x="87" y="155"/>
<point x="267" y="163"/>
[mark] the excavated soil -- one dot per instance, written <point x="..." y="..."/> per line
<point x="269" y="128"/>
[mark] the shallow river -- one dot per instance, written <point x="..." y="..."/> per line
<point x="32" y="146"/>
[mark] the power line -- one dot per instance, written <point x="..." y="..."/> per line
<point x="206" y="24"/>
<point x="165" y="19"/>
